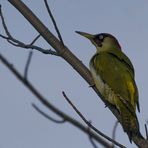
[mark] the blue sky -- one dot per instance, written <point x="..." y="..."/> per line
<point x="21" y="126"/>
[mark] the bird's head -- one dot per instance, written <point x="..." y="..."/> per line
<point x="102" y="41"/>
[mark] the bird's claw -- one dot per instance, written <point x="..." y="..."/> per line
<point x="92" y="85"/>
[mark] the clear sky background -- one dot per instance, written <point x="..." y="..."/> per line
<point x="20" y="125"/>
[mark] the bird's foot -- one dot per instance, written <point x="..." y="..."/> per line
<point x="92" y="85"/>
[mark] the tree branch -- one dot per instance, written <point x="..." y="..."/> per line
<point x="17" y="43"/>
<point x="49" y="106"/>
<point x="68" y="56"/>
<point x="89" y="123"/>
<point x="47" y="116"/>
<point x="114" y="133"/>
<point x="54" y="22"/>
<point x="27" y="64"/>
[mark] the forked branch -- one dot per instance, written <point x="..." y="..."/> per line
<point x="49" y="106"/>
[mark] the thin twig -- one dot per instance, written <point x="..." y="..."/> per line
<point x="30" y="57"/>
<point x="2" y="36"/>
<point x="92" y="142"/>
<point x="27" y="64"/>
<point x="35" y="39"/>
<point x="4" y="24"/>
<point x="47" y="116"/>
<point x="53" y="20"/>
<point x="18" y="43"/>
<point x="91" y="139"/>
<point x="89" y="124"/>
<point x="77" y="111"/>
<point x="114" y="132"/>
<point x="49" y="105"/>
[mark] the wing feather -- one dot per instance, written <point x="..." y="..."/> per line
<point x="118" y="74"/>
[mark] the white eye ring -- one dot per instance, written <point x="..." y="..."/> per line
<point x="101" y="37"/>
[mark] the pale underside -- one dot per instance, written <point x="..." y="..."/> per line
<point x="103" y="88"/>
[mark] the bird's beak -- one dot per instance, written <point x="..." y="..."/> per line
<point x="87" y="35"/>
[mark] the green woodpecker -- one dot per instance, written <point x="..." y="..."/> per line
<point x="113" y="75"/>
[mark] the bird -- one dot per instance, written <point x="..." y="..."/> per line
<point x="114" y="77"/>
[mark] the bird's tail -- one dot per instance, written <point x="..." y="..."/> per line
<point x="130" y="124"/>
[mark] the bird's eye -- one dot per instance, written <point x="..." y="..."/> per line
<point x="101" y="37"/>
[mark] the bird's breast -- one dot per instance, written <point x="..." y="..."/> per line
<point x="103" y="87"/>
<point x="97" y="79"/>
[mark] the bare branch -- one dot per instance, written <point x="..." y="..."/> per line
<point x="66" y="54"/>
<point x="35" y="39"/>
<point x="54" y="22"/>
<point x="49" y="105"/>
<point x="18" y="43"/>
<point x="89" y="124"/>
<point x="2" y="36"/>
<point x="29" y="57"/>
<point x="92" y="142"/>
<point x="76" y="110"/>
<point x="3" y="23"/>
<point x="91" y="139"/>
<point x="47" y="116"/>
<point x="27" y="64"/>
<point x="114" y="132"/>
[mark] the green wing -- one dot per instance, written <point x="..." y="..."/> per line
<point x="116" y="70"/>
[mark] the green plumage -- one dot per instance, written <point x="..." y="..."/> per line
<point x="113" y="75"/>
<point x="116" y="72"/>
